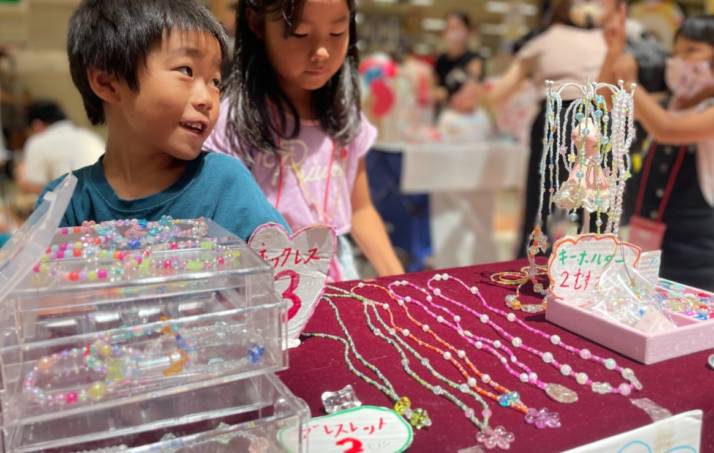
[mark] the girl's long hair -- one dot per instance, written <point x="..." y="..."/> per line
<point x="253" y="91"/>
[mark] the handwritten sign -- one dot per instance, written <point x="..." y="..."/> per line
<point x="577" y="263"/>
<point x="649" y="266"/>
<point x="366" y="429"/>
<point x="301" y="262"/>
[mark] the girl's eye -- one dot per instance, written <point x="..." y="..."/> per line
<point x="217" y="83"/>
<point x="185" y="70"/>
<point x="337" y="35"/>
<point x="299" y="35"/>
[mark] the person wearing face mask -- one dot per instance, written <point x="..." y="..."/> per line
<point x="570" y="49"/>
<point x="459" y="69"/>
<point x="675" y="202"/>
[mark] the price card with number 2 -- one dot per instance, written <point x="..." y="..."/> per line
<point x="577" y="263"/>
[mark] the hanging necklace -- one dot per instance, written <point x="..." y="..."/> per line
<point x="566" y="370"/>
<point x="418" y="418"/>
<point x="507" y="398"/>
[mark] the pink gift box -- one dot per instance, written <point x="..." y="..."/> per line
<point x="690" y="335"/>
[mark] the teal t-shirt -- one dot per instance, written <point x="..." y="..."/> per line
<point x="214" y="186"/>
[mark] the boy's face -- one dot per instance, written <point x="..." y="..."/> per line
<point x="314" y="53"/>
<point x="176" y="105"/>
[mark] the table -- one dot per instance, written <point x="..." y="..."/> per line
<point x="462" y="181"/>
<point x="678" y="385"/>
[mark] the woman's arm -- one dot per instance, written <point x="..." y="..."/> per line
<point x="673" y="128"/>
<point x="507" y="84"/>
<point x="369" y="231"/>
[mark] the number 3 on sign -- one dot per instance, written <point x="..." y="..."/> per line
<point x="355" y="445"/>
<point x="289" y="293"/>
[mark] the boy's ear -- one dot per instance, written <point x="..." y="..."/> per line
<point x="104" y="85"/>
<point x="256" y="25"/>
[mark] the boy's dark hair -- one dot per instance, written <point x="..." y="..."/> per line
<point x="252" y="86"/>
<point x="700" y="29"/>
<point x="48" y="112"/>
<point x="117" y="35"/>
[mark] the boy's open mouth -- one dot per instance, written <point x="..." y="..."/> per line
<point x="194" y="126"/>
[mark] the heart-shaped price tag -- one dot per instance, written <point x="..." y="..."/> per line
<point x="577" y="263"/>
<point x="366" y="429"/>
<point x="301" y="262"/>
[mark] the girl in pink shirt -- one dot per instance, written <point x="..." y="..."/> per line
<point x="291" y="112"/>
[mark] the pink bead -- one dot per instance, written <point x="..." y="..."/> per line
<point x="64" y="231"/>
<point x="102" y="274"/>
<point x="70" y="398"/>
<point x="36" y="268"/>
<point x="167" y="264"/>
<point x="60" y="255"/>
<point x="63" y="246"/>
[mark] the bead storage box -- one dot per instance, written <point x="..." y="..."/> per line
<point x="252" y="415"/>
<point x="692" y="334"/>
<point x="121" y="326"/>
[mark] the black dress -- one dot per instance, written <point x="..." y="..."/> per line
<point x="688" y="245"/>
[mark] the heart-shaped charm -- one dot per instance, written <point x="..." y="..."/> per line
<point x="301" y="262"/>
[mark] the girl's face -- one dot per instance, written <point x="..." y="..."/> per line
<point x="309" y="57"/>
<point x="693" y="51"/>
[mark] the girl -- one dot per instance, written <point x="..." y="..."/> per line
<point x="291" y="113"/>
<point x="678" y="189"/>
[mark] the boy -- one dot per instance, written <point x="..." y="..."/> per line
<point x="150" y="70"/>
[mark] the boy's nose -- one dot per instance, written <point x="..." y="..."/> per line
<point x="202" y="99"/>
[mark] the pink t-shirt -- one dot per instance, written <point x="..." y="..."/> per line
<point x="302" y="186"/>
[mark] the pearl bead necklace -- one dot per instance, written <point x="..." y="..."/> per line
<point x="581" y="378"/>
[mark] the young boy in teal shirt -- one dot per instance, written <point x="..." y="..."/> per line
<point x="150" y="70"/>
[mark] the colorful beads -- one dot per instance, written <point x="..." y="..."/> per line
<point x="97" y="391"/>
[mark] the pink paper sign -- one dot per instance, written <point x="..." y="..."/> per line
<point x="577" y="263"/>
<point x="300" y="262"/>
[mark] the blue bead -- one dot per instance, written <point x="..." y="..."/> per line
<point x="255" y="353"/>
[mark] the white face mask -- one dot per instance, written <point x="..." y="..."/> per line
<point x="686" y="78"/>
<point x="586" y="13"/>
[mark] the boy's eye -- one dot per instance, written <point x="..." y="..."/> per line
<point x="299" y="35"/>
<point x="185" y="70"/>
<point x="337" y="35"/>
<point x="217" y="82"/>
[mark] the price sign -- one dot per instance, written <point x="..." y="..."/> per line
<point x="366" y="429"/>
<point x="577" y="263"/>
<point x="301" y="262"/>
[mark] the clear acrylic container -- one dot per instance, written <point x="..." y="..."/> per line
<point x="239" y="416"/>
<point x="100" y="323"/>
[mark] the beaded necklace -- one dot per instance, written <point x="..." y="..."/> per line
<point x="495" y="347"/>
<point x="542" y="418"/>
<point x="418" y="418"/>
<point x="399" y="345"/>
<point x="566" y="370"/>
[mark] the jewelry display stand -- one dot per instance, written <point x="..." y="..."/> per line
<point x="140" y="336"/>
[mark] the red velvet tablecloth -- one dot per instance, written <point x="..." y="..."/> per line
<point x="317" y="365"/>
